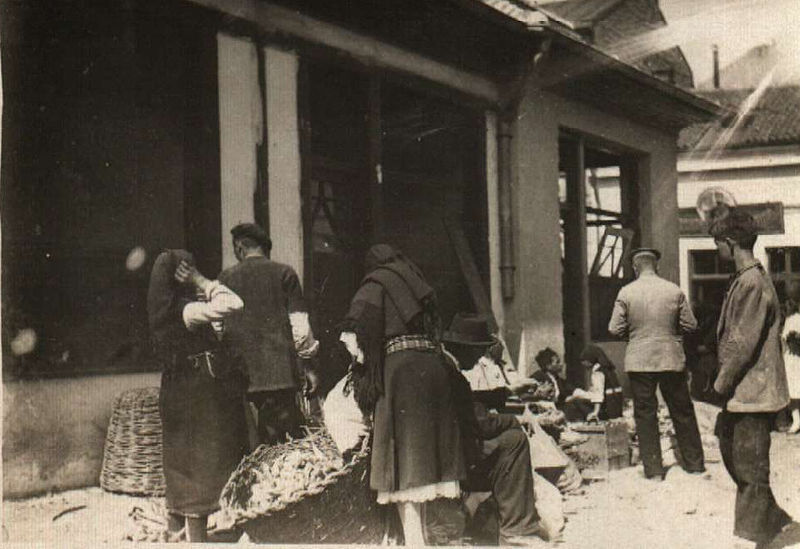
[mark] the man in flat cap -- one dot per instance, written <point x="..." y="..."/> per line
<point x="270" y="335"/>
<point x="653" y="314"/>
<point x="751" y="380"/>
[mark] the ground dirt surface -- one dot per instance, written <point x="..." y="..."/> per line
<point x="622" y="511"/>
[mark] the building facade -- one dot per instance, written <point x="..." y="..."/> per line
<point x="462" y="132"/>
<point x="753" y="154"/>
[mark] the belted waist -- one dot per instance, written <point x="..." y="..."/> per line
<point x="214" y="363"/>
<point x="408" y="342"/>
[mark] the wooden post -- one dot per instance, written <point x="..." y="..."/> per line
<point x="629" y="194"/>
<point x="576" y="276"/>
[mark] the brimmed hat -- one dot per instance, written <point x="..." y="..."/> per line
<point x="649" y="251"/>
<point x="469" y="329"/>
<point x="253" y="232"/>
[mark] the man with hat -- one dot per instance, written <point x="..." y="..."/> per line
<point x="496" y="447"/>
<point x="270" y="334"/>
<point x="653" y="314"/>
<point x="751" y="380"/>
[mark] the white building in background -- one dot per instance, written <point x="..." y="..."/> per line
<point x="760" y="166"/>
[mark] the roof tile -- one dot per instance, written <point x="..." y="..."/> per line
<point x="775" y="120"/>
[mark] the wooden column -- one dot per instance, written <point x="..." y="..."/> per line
<point x="240" y="131"/>
<point x="576" y="276"/>
<point x="283" y="146"/>
<point x="629" y="194"/>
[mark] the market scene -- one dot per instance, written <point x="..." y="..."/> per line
<point x="465" y="272"/>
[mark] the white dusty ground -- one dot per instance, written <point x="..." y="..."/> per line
<point x="623" y="511"/>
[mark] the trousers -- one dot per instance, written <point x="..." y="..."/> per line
<point x="675" y="391"/>
<point x="744" y="442"/>
<point x="505" y="469"/>
<point x="278" y="415"/>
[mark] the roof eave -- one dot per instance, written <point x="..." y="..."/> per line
<point x="705" y="108"/>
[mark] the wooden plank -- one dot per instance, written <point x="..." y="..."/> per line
<point x="280" y="20"/>
<point x="470" y="271"/>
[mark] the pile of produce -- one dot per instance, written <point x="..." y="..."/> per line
<point x="273" y="477"/>
<point x="303" y="491"/>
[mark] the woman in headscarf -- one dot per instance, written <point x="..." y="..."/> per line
<point x="605" y="391"/>
<point x="393" y="333"/>
<point x="201" y="406"/>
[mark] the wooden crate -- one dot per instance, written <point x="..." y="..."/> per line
<point x="608" y="448"/>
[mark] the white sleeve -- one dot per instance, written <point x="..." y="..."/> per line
<point x="597" y="387"/>
<point x="351" y="343"/>
<point x="304" y="343"/>
<point x="221" y="302"/>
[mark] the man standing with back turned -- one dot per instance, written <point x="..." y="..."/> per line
<point x="751" y="379"/>
<point x="270" y="334"/>
<point x="653" y="314"/>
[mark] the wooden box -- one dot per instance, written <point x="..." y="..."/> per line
<point x="608" y="448"/>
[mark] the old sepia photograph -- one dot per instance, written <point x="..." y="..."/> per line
<point x="514" y="273"/>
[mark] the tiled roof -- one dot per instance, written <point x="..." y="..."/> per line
<point x="775" y="120"/>
<point x="581" y="13"/>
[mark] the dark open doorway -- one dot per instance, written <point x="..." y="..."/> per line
<point x="598" y="190"/>
<point x="385" y="163"/>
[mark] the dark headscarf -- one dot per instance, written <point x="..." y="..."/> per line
<point x="595" y="355"/>
<point x="415" y="300"/>
<point x="166" y="298"/>
<point x="400" y="278"/>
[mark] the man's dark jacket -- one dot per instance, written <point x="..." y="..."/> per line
<point x="261" y="333"/>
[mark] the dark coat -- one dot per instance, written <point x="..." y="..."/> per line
<point x="261" y="334"/>
<point x="751" y="371"/>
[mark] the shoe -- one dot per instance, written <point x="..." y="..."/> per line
<point x="793" y="429"/>
<point x="696" y="471"/>
<point x="523" y="541"/>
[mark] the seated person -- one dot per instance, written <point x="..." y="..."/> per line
<point x="566" y="397"/>
<point x="483" y="366"/>
<point x="496" y="447"/>
<point x="605" y="391"/>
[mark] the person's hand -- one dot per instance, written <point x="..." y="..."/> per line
<point x="187" y="273"/>
<point x="312" y="381"/>
<point x="546" y="404"/>
<point x="523" y="385"/>
<point x="592" y="417"/>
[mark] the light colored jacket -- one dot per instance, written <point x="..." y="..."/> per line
<point x="751" y="370"/>
<point x="652" y="314"/>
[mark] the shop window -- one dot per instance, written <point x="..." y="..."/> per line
<point x="784" y="267"/>
<point x="708" y="277"/>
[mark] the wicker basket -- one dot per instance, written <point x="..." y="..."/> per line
<point x="132" y="456"/>
<point x="338" y="509"/>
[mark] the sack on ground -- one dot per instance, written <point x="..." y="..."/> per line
<point x="343" y="418"/>
<point x="549" y="505"/>
<point x="545" y="453"/>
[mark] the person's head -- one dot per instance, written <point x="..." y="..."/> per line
<point x="468" y="338"/>
<point x="737" y="230"/>
<point x="645" y="260"/>
<point x="592" y="354"/>
<point x="380" y="254"/>
<point x="164" y="292"/>
<point x="250" y="239"/>
<point x="549" y="361"/>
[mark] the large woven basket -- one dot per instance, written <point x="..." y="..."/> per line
<point x="340" y="508"/>
<point x="132" y="456"/>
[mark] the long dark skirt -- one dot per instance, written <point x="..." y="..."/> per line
<point x="417" y="440"/>
<point x="205" y="437"/>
